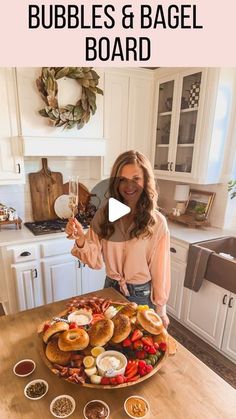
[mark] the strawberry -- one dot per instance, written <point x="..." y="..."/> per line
<point x="126" y="343"/>
<point x="73" y="325"/>
<point x="156" y="345"/>
<point x="162" y="346"/>
<point x="138" y="345"/>
<point x="151" y="350"/>
<point x="137" y="334"/>
<point x="147" y="340"/>
<point x="113" y="381"/>
<point x="141" y="354"/>
<point x="149" y="368"/>
<point x="46" y="327"/>
<point x="141" y="364"/>
<point x="105" y="381"/>
<point x="120" y="379"/>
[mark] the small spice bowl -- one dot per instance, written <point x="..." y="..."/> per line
<point x="55" y="404"/>
<point x="36" y="389"/>
<point x="95" y="404"/>
<point x="130" y="411"/>
<point x="24" y="367"/>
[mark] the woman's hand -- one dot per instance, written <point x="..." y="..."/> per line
<point x="74" y="230"/>
<point x="165" y="321"/>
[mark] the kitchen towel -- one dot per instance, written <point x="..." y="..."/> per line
<point x="196" y="266"/>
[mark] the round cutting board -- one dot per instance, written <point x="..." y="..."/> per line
<point x="61" y="207"/>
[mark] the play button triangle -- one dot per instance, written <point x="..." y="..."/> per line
<point x="116" y="209"/>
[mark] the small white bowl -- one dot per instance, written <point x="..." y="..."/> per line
<point x="60" y="397"/>
<point x="72" y="316"/>
<point x="39" y="380"/>
<point x="100" y="401"/>
<point x="24" y="360"/>
<point x="135" y="417"/>
<point x="112" y="372"/>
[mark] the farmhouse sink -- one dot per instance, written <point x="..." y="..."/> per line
<point x="221" y="269"/>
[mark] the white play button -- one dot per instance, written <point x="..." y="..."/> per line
<point x="116" y="209"/>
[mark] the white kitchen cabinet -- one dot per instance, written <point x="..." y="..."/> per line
<point x="178" y="268"/>
<point x="61" y="278"/>
<point x="92" y="279"/>
<point x="229" y="338"/>
<point x="11" y="160"/>
<point x="205" y="312"/>
<point x="191" y="133"/>
<point x="128" y="113"/>
<point x="28" y="283"/>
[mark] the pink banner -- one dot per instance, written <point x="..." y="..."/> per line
<point x="117" y="33"/>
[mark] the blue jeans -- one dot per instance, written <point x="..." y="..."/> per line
<point x="139" y="294"/>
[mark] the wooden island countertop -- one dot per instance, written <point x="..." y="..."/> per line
<point x="184" y="388"/>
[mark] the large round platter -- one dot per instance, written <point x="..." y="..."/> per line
<point x="135" y="330"/>
<point x="157" y="367"/>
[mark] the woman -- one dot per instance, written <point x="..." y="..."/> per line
<point x="135" y="248"/>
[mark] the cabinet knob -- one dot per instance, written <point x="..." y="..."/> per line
<point x="171" y="166"/>
<point x="19" y="168"/>
<point x="173" y="250"/>
<point x="25" y="254"/>
<point x="224" y="299"/>
<point x="230" y="302"/>
<point x="35" y="273"/>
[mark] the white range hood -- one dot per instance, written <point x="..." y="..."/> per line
<point x="50" y="146"/>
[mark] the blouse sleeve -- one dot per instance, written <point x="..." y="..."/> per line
<point x="160" y="269"/>
<point x="91" y="252"/>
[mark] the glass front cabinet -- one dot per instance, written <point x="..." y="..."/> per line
<point x="179" y="99"/>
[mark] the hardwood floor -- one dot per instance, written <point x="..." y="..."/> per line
<point x="210" y="356"/>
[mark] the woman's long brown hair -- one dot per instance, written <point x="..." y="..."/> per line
<point x="144" y="219"/>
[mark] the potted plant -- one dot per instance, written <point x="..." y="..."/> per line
<point x="200" y="212"/>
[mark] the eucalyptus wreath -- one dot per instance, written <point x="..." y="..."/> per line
<point x="69" y="115"/>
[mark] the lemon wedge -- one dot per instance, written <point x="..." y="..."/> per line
<point x="88" y="361"/>
<point x="97" y="350"/>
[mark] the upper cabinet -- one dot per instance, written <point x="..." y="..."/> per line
<point x="11" y="160"/>
<point x="128" y="113"/>
<point x="192" y="117"/>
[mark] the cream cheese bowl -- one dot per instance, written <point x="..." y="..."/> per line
<point x="80" y="317"/>
<point x="112" y="369"/>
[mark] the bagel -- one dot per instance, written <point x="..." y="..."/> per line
<point x="73" y="340"/>
<point x="122" y="328"/>
<point x="150" y="321"/>
<point x="55" y="328"/>
<point x="101" y="332"/>
<point x="129" y="310"/>
<point x="55" y="355"/>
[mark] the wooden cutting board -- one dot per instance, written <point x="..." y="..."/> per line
<point x="45" y="187"/>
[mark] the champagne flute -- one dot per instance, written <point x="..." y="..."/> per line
<point x="73" y="195"/>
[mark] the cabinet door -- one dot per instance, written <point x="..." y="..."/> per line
<point x="176" y="292"/>
<point x="229" y="339"/>
<point x="188" y="121"/>
<point x="205" y="311"/>
<point x="11" y="160"/>
<point x="92" y="280"/>
<point x="115" y="116"/>
<point x="61" y="279"/>
<point x="29" y="289"/>
<point x="165" y="128"/>
<point x="141" y="100"/>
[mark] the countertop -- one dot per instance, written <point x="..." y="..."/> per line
<point x="9" y="235"/>
<point x="183" y="388"/>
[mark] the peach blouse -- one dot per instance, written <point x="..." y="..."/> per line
<point x="134" y="261"/>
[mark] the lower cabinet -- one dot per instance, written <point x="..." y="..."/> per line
<point x="176" y="293"/>
<point x="205" y="311"/>
<point x="91" y="279"/>
<point x="61" y="278"/>
<point x="211" y="314"/>
<point x="28" y="284"/>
